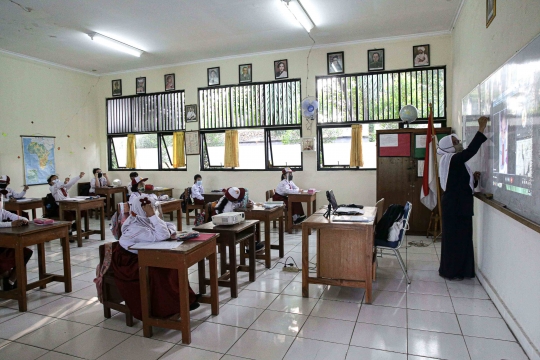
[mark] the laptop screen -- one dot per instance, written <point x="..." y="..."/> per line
<point x="331" y="199"/>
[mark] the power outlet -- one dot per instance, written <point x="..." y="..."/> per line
<point x="291" y="269"/>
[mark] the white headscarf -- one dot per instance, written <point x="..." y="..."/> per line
<point x="446" y="150"/>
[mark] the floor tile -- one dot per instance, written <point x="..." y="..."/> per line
<point x="93" y="343"/>
<point x="295" y="289"/>
<point x="467" y="291"/>
<point x="279" y="322"/>
<point x="390" y="284"/>
<point x="233" y="315"/>
<point x="256" y="299"/>
<point x="383" y="315"/>
<point x="337" y="331"/>
<point x="428" y="288"/>
<point x="340" y="293"/>
<point x="465" y="306"/>
<point x="185" y="352"/>
<point x="118" y="323"/>
<point x="486" y="349"/>
<point x="389" y="273"/>
<point x="34" y="300"/>
<point x="22" y="325"/>
<point x="433" y="321"/>
<point x="88" y="293"/>
<point x="91" y="314"/>
<point x="293" y="304"/>
<point x="136" y="348"/>
<point x="51" y="355"/>
<point x="62" y="306"/>
<point x="170" y="335"/>
<point x="380" y="337"/>
<point x="8" y="314"/>
<point x="268" y="285"/>
<point x="261" y="345"/>
<point x="21" y="352"/>
<point x="485" y="327"/>
<point x="437" y="345"/>
<point x="429" y="303"/>
<point x="339" y="310"/>
<point x="425" y="275"/>
<point x="222" y="336"/>
<point x="389" y="298"/>
<point x="54" y="334"/>
<point x="423" y="265"/>
<point x="356" y="353"/>
<point x="308" y="349"/>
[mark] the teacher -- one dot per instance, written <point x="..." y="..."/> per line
<point x="458" y="183"/>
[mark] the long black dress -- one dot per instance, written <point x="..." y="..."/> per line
<point x="457" y="253"/>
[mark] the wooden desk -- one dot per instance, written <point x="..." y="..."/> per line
<point x="345" y="252"/>
<point x="78" y="206"/>
<point x="19" y="206"/>
<point x="19" y="237"/>
<point x="180" y="259"/>
<point x="163" y="191"/>
<point x="229" y="237"/>
<point x="266" y="216"/>
<point x="212" y="196"/>
<point x="310" y="199"/>
<point x="109" y="197"/>
<point x="170" y="207"/>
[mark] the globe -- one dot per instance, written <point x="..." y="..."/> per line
<point x="117" y="182"/>
<point x="408" y="113"/>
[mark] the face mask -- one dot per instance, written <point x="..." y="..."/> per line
<point x="55" y="181"/>
<point x="3" y="186"/>
<point x="99" y="175"/>
<point x="141" y="189"/>
<point x="199" y="182"/>
<point x="458" y="147"/>
<point x="290" y="177"/>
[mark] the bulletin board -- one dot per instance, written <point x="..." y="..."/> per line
<point x="420" y="145"/>
<point x="395" y="145"/>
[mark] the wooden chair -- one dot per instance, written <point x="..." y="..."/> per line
<point x="380" y="209"/>
<point x="187" y="199"/>
<point x="83" y="189"/>
<point x="44" y="210"/>
<point x="111" y="296"/>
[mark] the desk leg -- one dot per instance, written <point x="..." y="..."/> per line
<point x="67" y="262"/>
<point x="223" y="257"/>
<point x="233" y="267"/>
<point x="102" y="223"/>
<point x="87" y="224"/>
<point x="79" y="227"/>
<point x="267" y="245"/>
<point x="184" y="304"/>
<point x="33" y="214"/>
<point x="368" y="256"/>
<point x="310" y="211"/>
<point x="289" y="216"/>
<point x="21" y="277"/>
<point x="41" y="262"/>
<point x="179" y="218"/>
<point x="144" y="280"/>
<point x="214" y="292"/>
<point x="281" y="238"/>
<point x="252" y="255"/>
<point x="113" y="206"/>
<point x="202" y="277"/>
<point x="305" y="261"/>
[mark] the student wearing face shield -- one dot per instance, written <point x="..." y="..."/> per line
<point x="286" y="187"/>
<point x="458" y="183"/>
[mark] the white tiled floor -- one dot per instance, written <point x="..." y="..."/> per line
<point x="429" y="319"/>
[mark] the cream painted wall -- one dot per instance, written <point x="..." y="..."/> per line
<point x="349" y="186"/>
<point x="59" y="103"/>
<point x="507" y="252"/>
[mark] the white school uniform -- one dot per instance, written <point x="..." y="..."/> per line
<point x="102" y="182"/>
<point x="6" y="215"/>
<point x="60" y="190"/>
<point x="286" y="187"/>
<point x="12" y="194"/>
<point x="230" y="206"/>
<point x="197" y="192"/>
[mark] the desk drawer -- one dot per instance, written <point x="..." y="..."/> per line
<point x="341" y="254"/>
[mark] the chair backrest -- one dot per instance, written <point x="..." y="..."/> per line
<point x="83" y="188"/>
<point x="269" y="194"/>
<point x="380" y="209"/>
<point x="407" y="209"/>
<point x="208" y="212"/>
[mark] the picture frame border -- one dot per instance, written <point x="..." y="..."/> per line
<point x="383" y="62"/>
<point x="428" y="52"/>
<point x="112" y="87"/>
<point x="240" y="73"/>
<point x="196" y="114"/>
<point x="305" y="139"/>
<point x="174" y="82"/>
<point x="275" y="63"/>
<point x="489" y="21"/>
<point x="208" y="76"/>
<point x="140" y="93"/>
<point x="342" y="53"/>
<point x="196" y="133"/>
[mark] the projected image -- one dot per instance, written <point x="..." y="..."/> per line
<point x="524" y="153"/>
<point x="503" y="144"/>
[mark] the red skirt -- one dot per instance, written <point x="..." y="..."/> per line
<point x="164" y="287"/>
<point x="297" y="208"/>
<point x="7" y="258"/>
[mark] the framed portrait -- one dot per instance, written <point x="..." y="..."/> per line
<point x="375" y="59"/>
<point x="491" y="11"/>
<point x="140" y="85"/>
<point x="192" y="142"/>
<point x="213" y="76"/>
<point x="116" y="87"/>
<point x="421" y="55"/>
<point x="245" y="73"/>
<point x="169" y="82"/>
<point x="335" y="63"/>
<point x="308" y="144"/>
<point x="281" y="69"/>
<point x="191" y="113"/>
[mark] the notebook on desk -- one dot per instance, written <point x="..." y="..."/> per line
<point x="343" y="210"/>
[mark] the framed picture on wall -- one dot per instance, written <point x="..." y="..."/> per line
<point x="491" y="11"/>
<point x="169" y="82"/>
<point x="375" y="59"/>
<point x="245" y="73"/>
<point x="116" y="87"/>
<point x="192" y="142"/>
<point x="213" y="76"/>
<point x="140" y="85"/>
<point x="335" y="63"/>
<point x="308" y="144"/>
<point x="191" y="113"/>
<point x="421" y="55"/>
<point x="281" y="69"/>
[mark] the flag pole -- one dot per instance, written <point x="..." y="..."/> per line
<point x="434" y="152"/>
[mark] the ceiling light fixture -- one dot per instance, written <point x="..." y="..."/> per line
<point x="115" y="44"/>
<point x="298" y="11"/>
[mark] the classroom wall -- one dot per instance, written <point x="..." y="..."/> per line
<point x="349" y="186"/>
<point x="37" y="99"/>
<point x="507" y="252"/>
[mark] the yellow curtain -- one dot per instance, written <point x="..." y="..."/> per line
<point x="179" y="158"/>
<point x="231" y="149"/>
<point x="357" y="157"/>
<point x="130" y="163"/>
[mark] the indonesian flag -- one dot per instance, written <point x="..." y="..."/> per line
<point x="428" y="194"/>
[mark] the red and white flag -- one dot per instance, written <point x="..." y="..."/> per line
<point x="428" y="194"/>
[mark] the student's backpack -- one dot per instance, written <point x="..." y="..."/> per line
<point x="392" y="215"/>
<point x="51" y="207"/>
<point x="199" y="218"/>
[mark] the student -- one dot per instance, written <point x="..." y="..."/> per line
<point x="143" y="225"/>
<point x="59" y="191"/>
<point x="132" y="176"/>
<point x="137" y="187"/>
<point x="99" y="180"/>
<point x="197" y="190"/>
<point x="9" y="194"/>
<point x="286" y="187"/>
<point x="7" y="255"/>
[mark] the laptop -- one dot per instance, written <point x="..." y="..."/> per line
<point x="342" y="210"/>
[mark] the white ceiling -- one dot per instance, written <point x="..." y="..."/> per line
<point x="179" y="31"/>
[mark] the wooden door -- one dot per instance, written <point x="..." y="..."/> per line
<point x="394" y="180"/>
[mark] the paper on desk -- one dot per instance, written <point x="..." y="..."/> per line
<point x="24" y="200"/>
<point x="160" y="245"/>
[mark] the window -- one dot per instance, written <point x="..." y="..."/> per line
<point x="152" y="118"/>
<point x="268" y="119"/>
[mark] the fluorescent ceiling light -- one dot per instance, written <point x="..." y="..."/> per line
<point x="300" y="14"/>
<point x="115" y="44"/>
